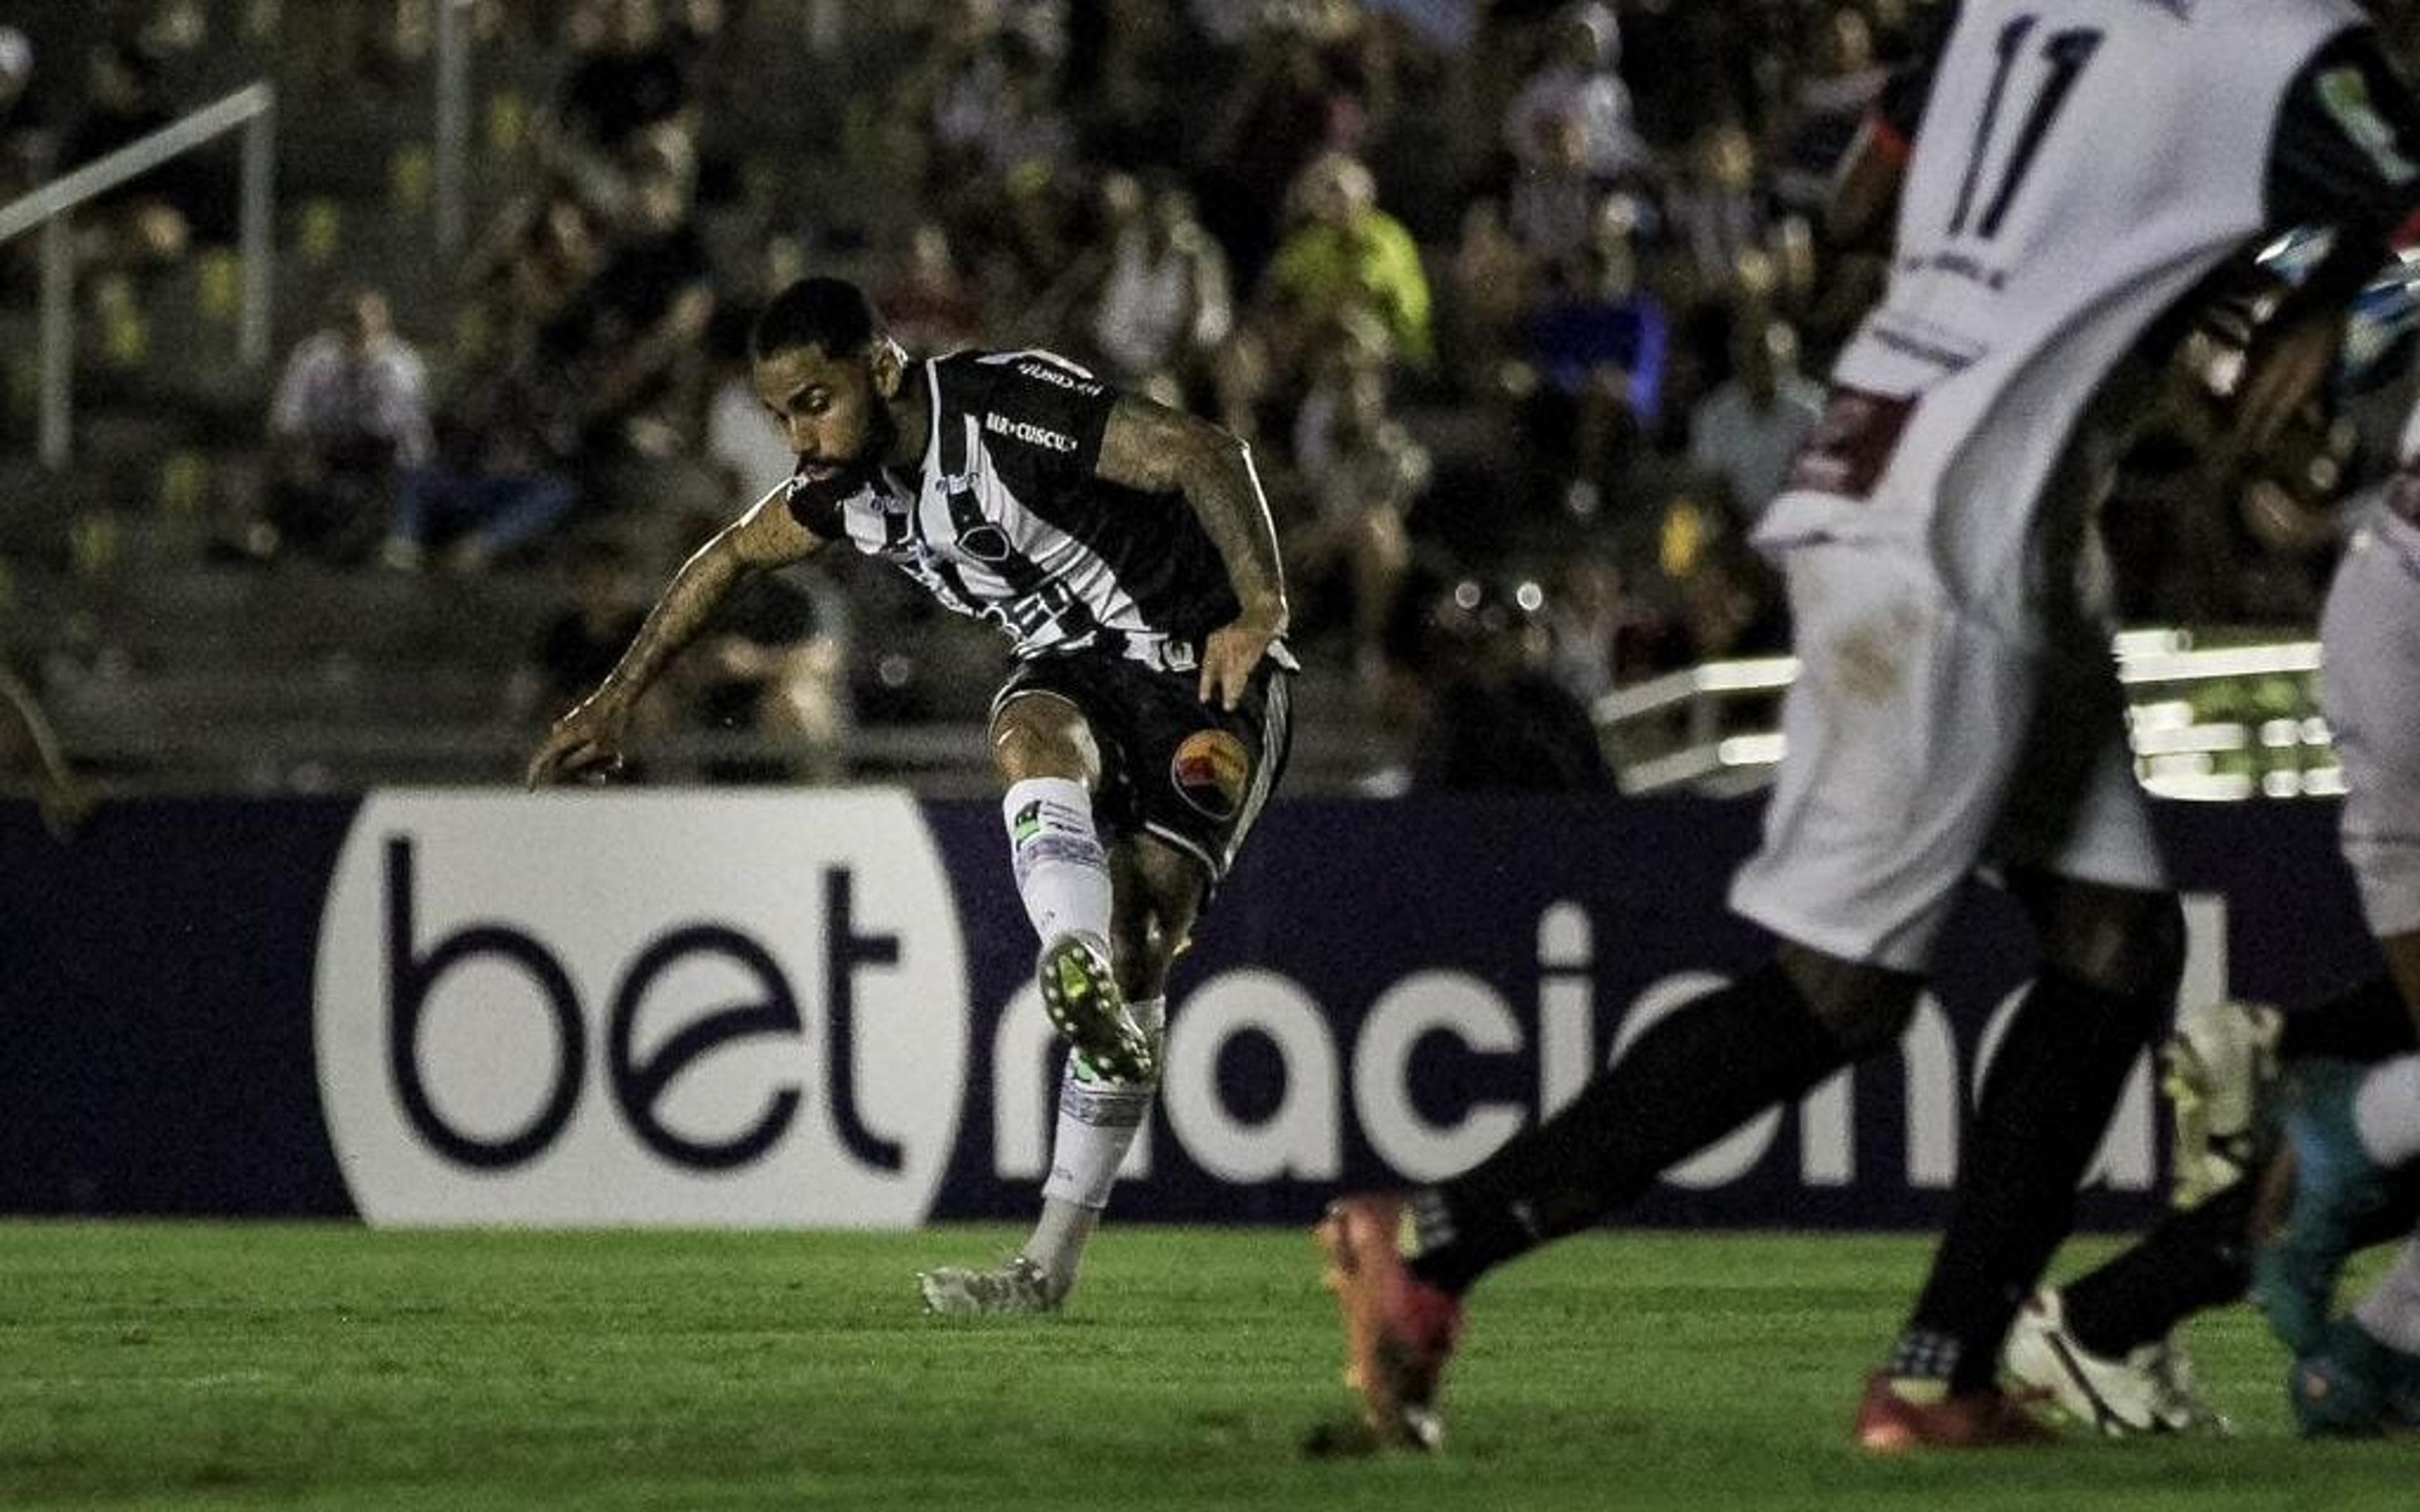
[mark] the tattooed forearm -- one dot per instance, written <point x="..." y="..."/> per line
<point x="1158" y="449"/>
<point x="688" y="602"/>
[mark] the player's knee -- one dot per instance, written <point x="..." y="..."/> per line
<point x="1035" y="736"/>
<point x="1863" y="1006"/>
<point x="2125" y="941"/>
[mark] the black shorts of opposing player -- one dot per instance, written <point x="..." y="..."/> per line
<point x="1188" y="773"/>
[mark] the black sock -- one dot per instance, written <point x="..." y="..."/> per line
<point x="2193" y="1260"/>
<point x="2362" y="1024"/>
<point x="1682" y="1085"/>
<point x="2056" y="1081"/>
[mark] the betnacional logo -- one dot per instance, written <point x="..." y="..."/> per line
<point x="1209" y="769"/>
<point x="677" y="1007"/>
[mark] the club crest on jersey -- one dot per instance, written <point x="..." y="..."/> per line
<point x="1209" y="770"/>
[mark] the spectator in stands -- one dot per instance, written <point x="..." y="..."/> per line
<point x="580" y="643"/>
<point x="150" y="220"/>
<point x="1746" y="430"/>
<point x="1826" y="103"/>
<point x="1344" y="254"/>
<point x="27" y="142"/>
<point x="1595" y="348"/>
<point x="1492" y="283"/>
<point x="1497" y="721"/>
<point x="629" y="348"/>
<point x="769" y="665"/>
<point x="1160" y="302"/>
<point x="624" y="95"/>
<point x="747" y="449"/>
<point x="1361" y="472"/>
<point x="1298" y="95"/>
<point x="930" y="302"/>
<point x="1553" y="201"/>
<point x="1719" y="211"/>
<point x="1578" y="88"/>
<point x="349" y="415"/>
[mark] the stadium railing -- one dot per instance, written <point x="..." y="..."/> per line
<point x="2207" y="721"/>
<point x="252" y="110"/>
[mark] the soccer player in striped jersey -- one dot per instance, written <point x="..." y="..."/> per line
<point x="1126" y="551"/>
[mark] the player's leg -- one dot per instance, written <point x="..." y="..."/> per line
<point x="1400" y="1265"/>
<point x="2111" y="959"/>
<point x="2344" y="1127"/>
<point x="1159" y="892"/>
<point x="1050" y="762"/>
<point x="1868" y="840"/>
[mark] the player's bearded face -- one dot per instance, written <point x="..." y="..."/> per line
<point x="832" y="413"/>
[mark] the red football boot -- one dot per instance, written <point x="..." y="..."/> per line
<point x="1398" y="1331"/>
<point x="1890" y="1424"/>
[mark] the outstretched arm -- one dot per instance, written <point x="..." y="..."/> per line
<point x="587" y="740"/>
<point x="1150" y="447"/>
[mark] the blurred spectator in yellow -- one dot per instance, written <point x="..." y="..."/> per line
<point x="351" y="414"/>
<point x="1744" y="432"/>
<point x="1344" y="254"/>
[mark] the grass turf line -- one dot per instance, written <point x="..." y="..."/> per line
<point x="206" y="1365"/>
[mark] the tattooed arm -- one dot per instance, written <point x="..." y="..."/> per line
<point x="587" y="740"/>
<point x="1154" y="449"/>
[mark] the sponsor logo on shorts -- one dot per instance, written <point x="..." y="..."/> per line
<point x="1210" y="770"/>
<point x="1030" y="434"/>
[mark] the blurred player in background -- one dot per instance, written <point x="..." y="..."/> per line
<point x="1126" y="551"/>
<point x="1957" y="705"/>
<point x="2349" y="1097"/>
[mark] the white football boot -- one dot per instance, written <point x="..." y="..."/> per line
<point x="1017" y="1287"/>
<point x="2150" y="1390"/>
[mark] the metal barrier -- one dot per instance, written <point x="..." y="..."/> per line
<point x="254" y="109"/>
<point x="2222" y="722"/>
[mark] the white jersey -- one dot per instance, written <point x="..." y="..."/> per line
<point x="2080" y="164"/>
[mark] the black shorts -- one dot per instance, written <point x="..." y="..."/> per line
<point x="1188" y="773"/>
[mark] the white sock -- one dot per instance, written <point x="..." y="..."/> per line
<point x="2386" y="1111"/>
<point x="2391" y="1313"/>
<point x="1099" y="1120"/>
<point x="1063" y="873"/>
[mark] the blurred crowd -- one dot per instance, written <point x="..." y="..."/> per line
<point x="1520" y="304"/>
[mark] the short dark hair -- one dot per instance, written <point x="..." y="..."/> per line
<point x="829" y="313"/>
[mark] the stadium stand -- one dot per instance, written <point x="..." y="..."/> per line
<point x="183" y="647"/>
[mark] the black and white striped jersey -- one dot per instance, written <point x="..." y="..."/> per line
<point x="1008" y="523"/>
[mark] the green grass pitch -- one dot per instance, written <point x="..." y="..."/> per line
<point x="173" y="1365"/>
